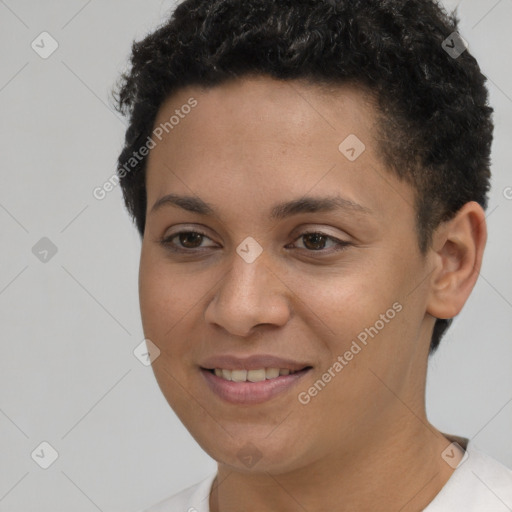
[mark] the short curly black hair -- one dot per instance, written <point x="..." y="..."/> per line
<point x="435" y="124"/>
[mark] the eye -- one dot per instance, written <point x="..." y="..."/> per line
<point x="190" y="241"/>
<point x="315" y="241"/>
<point x="187" y="241"/>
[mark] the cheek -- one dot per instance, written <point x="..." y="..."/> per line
<point x="361" y="314"/>
<point x="167" y="307"/>
<point x="151" y="295"/>
<point x="172" y="304"/>
<point x="164" y="297"/>
<point x="363" y="311"/>
<point x="165" y="294"/>
<point x="348" y="300"/>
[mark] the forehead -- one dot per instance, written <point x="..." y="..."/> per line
<point x="256" y="119"/>
<point x="257" y="137"/>
<point x="260" y="101"/>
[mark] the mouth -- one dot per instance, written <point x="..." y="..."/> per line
<point x="257" y="375"/>
<point x="240" y="386"/>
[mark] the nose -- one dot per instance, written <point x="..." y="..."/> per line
<point x="250" y="294"/>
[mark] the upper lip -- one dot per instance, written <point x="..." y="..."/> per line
<point x="254" y="362"/>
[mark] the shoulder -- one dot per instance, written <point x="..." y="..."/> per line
<point x="192" y="499"/>
<point x="479" y="484"/>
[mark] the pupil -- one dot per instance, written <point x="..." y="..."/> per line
<point x="186" y="236"/>
<point x="317" y="239"/>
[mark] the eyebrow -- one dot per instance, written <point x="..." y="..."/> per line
<point x="280" y="211"/>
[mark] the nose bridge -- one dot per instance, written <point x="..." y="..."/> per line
<point x="248" y="295"/>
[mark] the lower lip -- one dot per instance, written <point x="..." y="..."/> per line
<point x="250" y="393"/>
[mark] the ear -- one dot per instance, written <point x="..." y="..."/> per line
<point x="457" y="252"/>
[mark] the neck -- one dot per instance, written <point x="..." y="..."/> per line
<point x="401" y="470"/>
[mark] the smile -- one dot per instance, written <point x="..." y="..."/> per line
<point x="258" y="375"/>
<point x="251" y="387"/>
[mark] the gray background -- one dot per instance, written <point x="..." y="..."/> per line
<point x="68" y="375"/>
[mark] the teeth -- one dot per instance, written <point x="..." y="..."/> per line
<point x="272" y="373"/>
<point x="258" y="375"/>
<point x="239" y="375"/>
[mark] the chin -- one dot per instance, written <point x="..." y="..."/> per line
<point x="252" y="455"/>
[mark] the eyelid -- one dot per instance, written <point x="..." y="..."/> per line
<point x="340" y="244"/>
<point x="315" y="228"/>
<point x="166" y="239"/>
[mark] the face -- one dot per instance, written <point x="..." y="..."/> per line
<point x="287" y="260"/>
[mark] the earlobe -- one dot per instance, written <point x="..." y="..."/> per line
<point x="458" y="247"/>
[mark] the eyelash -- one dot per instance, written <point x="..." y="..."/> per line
<point x="166" y="242"/>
